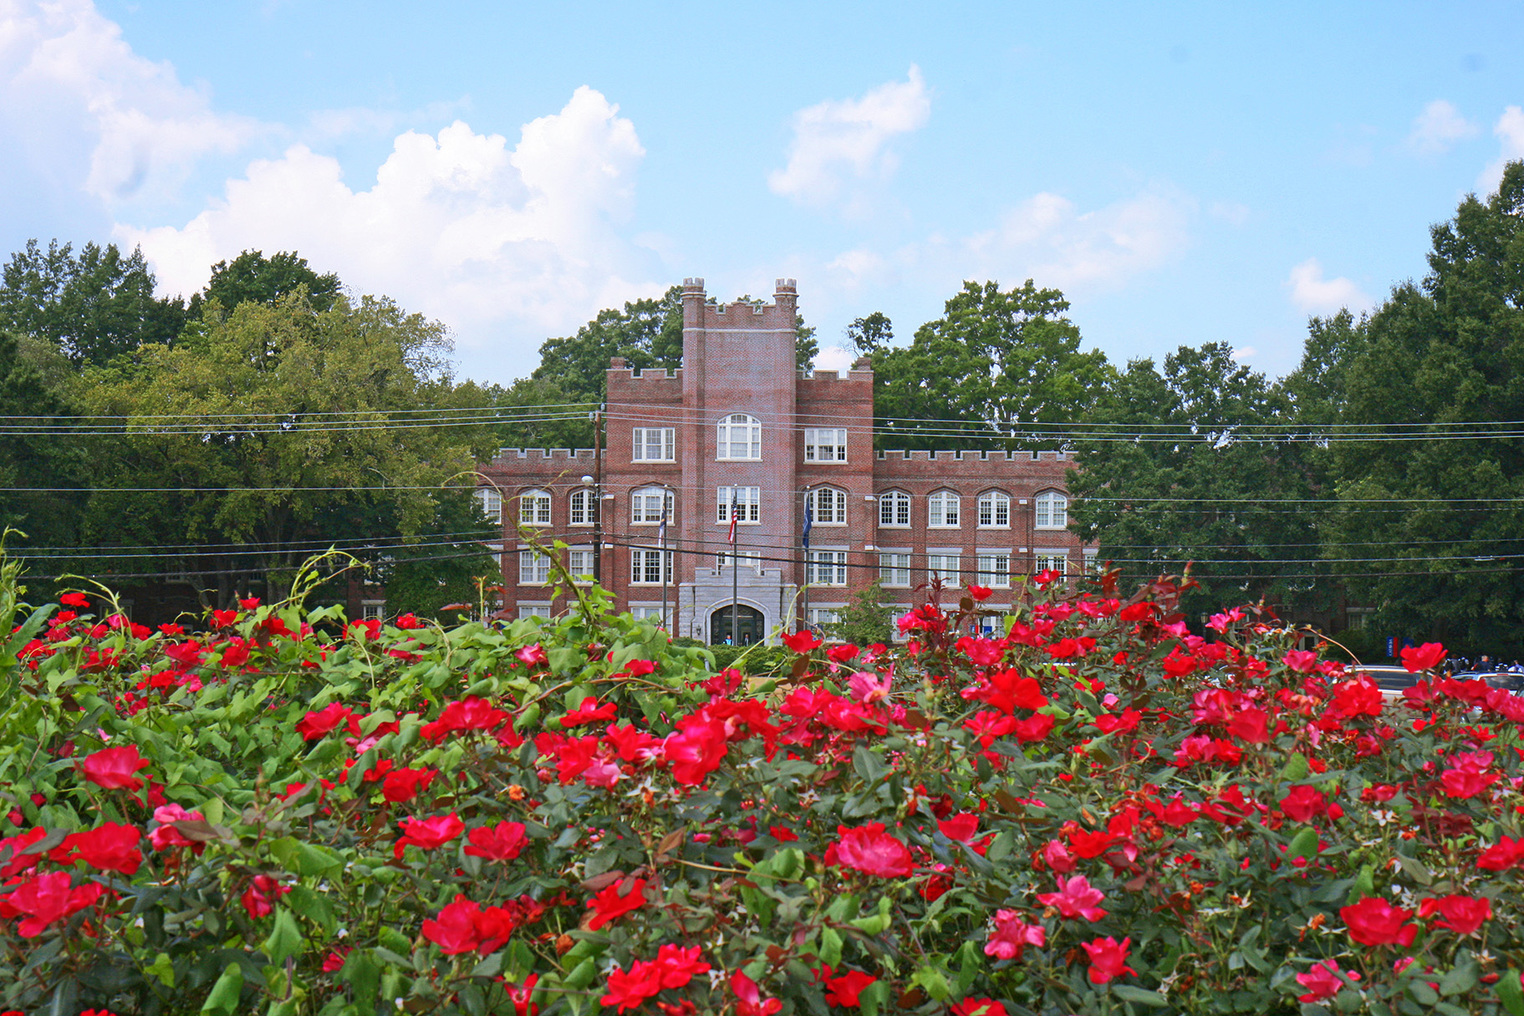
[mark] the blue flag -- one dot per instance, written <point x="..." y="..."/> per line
<point x="809" y="520"/>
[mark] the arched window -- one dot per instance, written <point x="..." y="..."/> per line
<point x="646" y="505"/>
<point x="1052" y="510"/>
<point x="994" y="510"/>
<point x="942" y="510"/>
<point x="739" y="437"/>
<point x="534" y="508"/>
<point x="894" y="508"/>
<point x="584" y="507"/>
<point x="492" y="504"/>
<point x="828" y="506"/>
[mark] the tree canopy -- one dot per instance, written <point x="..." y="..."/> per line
<point x="93" y="304"/>
<point x="995" y="360"/>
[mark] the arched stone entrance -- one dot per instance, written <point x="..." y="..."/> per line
<point x="751" y="624"/>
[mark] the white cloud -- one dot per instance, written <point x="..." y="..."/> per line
<point x="1245" y="353"/>
<point x="458" y="226"/>
<point x="74" y="94"/>
<point x="1047" y="239"/>
<point x="1314" y="294"/>
<point x="841" y="144"/>
<point x="1510" y="132"/>
<point x="1439" y="127"/>
<point x="837" y="358"/>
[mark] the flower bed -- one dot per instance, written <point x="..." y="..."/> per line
<point x="1096" y="813"/>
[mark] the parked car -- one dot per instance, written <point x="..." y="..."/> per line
<point x="1496" y="678"/>
<point x="1392" y="681"/>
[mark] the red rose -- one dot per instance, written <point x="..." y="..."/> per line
<point x="1424" y="657"/>
<point x="113" y="768"/>
<point x="872" y="851"/>
<point x="1374" y="921"/>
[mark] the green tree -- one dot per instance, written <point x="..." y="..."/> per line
<point x="871" y="334"/>
<point x="93" y="305"/>
<point x="1442" y="515"/>
<point x="340" y="455"/>
<point x="253" y="278"/>
<point x="865" y="619"/>
<point x="995" y="361"/>
<point x="1191" y="466"/>
<point x="38" y="454"/>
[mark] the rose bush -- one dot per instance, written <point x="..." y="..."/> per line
<point x="1096" y="812"/>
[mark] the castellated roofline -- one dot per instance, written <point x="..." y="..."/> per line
<point x="545" y="454"/>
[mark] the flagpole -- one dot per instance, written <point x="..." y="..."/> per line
<point x="735" y="609"/>
<point x="663" y="560"/>
<point x="806" y="540"/>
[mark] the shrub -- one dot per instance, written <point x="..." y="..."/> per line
<point x="1095" y="813"/>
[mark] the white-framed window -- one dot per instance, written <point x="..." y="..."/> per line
<point x="372" y="610"/>
<point x="650" y="566"/>
<point x="650" y="613"/>
<point x="739" y="437"/>
<point x="748" y="502"/>
<point x="539" y="610"/>
<point x="491" y="502"/>
<point x="894" y="508"/>
<point x="896" y="612"/>
<point x="942" y="510"/>
<point x="1053" y="560"/>
<point x="534" y="568"/>
<point x="825" y="444"/>
<point x="1051" y="511"/>
<point x="579" y="561"/>
<point x="894" y="569"/>
<point x="826" y="568"/>
<point x="943" y="566"/>
<point x="654" y="444"/>
<point x="1092" y="562"/>
<point x="584" y="507"/>
<point x="828" y="506"/>
<point x="748" y="558"/>
<point x="534" y="508"/>
<point x="821" y="616"/>
<point x="994" y="569"/>
<point x="647" y="505"/>
<point x="994" y="510"/>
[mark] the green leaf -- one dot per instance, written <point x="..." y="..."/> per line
<point x="285" y="938"/>
<point x="1415" y="869"/>
<point x="1460" y="978"/>
<point x="304" y="858"/>
<point x="163" y="968"/>
<point x="830" y="947"/>
<point x="1295" y="769"/>
<point x="870" y="768"/>
<point x="223" y="999"/>
<point x="364" y="976"/>
<point x="1511" y="991"/>
<point x="1128" y="993"/>
<point x="1303" y="844"/>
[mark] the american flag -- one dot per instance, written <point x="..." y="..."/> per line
<point x="735" y="511"/>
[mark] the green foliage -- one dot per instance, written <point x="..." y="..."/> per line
<point x="1155" y="506"/>
<point x="93" y="305"/>
<point x="1448" y="351"/>
<point x="866" y="619"/>
<point x="253" y="278"/>
<point x="243" y="500"/>
<point x="998" y="358"/>
<point x="321" y="832"/>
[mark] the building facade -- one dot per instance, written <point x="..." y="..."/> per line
<point x="709" y="475"/>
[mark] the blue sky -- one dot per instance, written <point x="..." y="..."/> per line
<point x="1185" y="173"/>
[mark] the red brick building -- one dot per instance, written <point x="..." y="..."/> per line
<point x="738" y="430"/>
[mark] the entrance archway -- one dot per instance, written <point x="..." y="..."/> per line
<point x="751" y="626"/>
